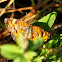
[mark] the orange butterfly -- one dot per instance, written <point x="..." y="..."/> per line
<point x="17" y="26"/>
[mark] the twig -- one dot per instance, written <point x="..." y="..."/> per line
<point x="28" y="15"/>
<point x="12" y="15"/>
<point x="10" y="2"/>
<point x="26" y="8"/>
<point x="31" y="17"/>
<point x="33" y="3"/>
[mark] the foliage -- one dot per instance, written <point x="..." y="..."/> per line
<point x="27" y="51"/>
<point x="47" y="21"/>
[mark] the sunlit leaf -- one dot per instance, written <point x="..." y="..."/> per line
<point x="36" y="43"/>
<point x="10" y="51"/>
<point x="30" y="54"/>
<point x="48" y="19"/>
<point x="20" y="59"/>
<point x="22" y="43"/>
<point x="56" y="41"/>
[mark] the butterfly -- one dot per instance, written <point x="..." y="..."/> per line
<point x="17" y="26"/>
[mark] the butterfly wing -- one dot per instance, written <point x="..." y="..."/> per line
<point x="16" y="26"/>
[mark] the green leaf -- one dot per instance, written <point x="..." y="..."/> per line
<point x="55" y="41"/>
<point x="36" y="43"/>
<point x="39" y="59"/>
<point x="20" y="59"/>
<point x="48" y="19"/>
<point x="44" y="51"/>
<point x="22" y="43"/>
<point x="30" y="54"/>
<point x="10" y="51"/>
